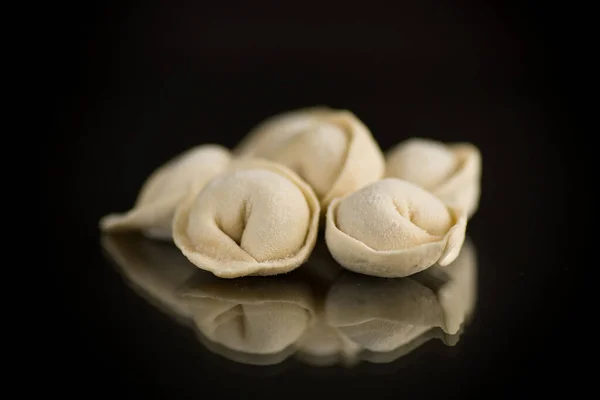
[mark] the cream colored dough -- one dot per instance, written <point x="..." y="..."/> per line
<point x="393" y="228"/>
<point x="258" y="218"/>
<point x="332" y="150"/>
<point x="384" y="315"/>
<point x="260" y="317"/>
<point x="450" y="171"/>
<point x="163" y="190"/>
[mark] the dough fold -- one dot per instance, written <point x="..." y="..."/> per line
<point x="452" y="172"/>
<point x="257" y="218"/>
<point x="332" y="150"/>
<point x="159" y="196"/>
<point x="393" y="228"/>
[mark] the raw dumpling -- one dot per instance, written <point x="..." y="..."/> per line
<point x="332" y="150"/>
<point x="393" y="228"/>
<point x="155" y="270"/>
<point x="254" y="321"/>
<point x="270" y="134"/>
<point x="258" y="218"/>
<point x="153" y="211"/>
<point x="450" y="171"/>
<point x="390" y="315"/>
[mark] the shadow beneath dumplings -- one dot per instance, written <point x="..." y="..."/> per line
<point x="319" y="314"/>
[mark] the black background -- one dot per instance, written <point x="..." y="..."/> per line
<point x="139" y="82"/>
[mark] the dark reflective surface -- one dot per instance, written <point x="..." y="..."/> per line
<point x="319" y="314"/>
<point x="139" y="83"/>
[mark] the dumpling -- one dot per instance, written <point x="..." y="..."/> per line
<point x="155" y="270"/>
<point x="270" y="134"/>
<point x="397" y="315"/>
<point x="450" y="171"/>
<point x="254" y="321"/>
<point x="393" y="228"/>
<point x="162" y="191"/>
<point x="258" y="218"/>
<point x="332" y="150"/>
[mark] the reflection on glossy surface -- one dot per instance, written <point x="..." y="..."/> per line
<point x="155" y="270"/>
<point x="253" y="320"/>
<point x="387" y="317"/>
<point x="320" y="314"/>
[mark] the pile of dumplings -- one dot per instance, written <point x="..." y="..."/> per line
<point x="257" y="209"/>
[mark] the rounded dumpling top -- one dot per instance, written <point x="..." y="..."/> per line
<point x="450" y="171"/>
<point x="257" y="218"/>
<point x="393" y="215"/>
<point x="191" y="168"/>
<point x="424" y="162"/>
<point x="332" y="150"/>
<point x="269" y="134"/>
<point x="165" y="188"/>
<point x="393" y="228"/>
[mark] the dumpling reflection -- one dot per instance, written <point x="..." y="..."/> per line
<point x="319" y="313"/>
<point x="324" y="345"/>
<point x="154" y="269"/>
<point x="254" y="316"/>
<point x="384" y="315"/>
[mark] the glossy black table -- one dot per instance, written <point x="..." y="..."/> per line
<point x="149" y="82"/>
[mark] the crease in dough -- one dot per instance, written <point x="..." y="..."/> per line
<point x="152" y="213"/>
<point x="257" y="218"/>
<point x="450" y="171"/>
<point x="332" y="150"/>
<point x="393" y="228"/>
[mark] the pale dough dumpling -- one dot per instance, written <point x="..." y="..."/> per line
<point x="252" y="317"/>
<point x="258" y="218"/>
<point x="270" y="134"/>
<point x="162" y="191"/>
<point x="384" y="315"/>
<point x="332" y="150"/>
<point x="393" y="228"/>
<point x="450" y="171"/>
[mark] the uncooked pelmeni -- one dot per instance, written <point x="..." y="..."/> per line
<point x="450" y="171"/>
<point x="269" y="134"/>
<point x="258" y="218"/>
<point x="332" y="150"/>
<point x="393" y="228"/>
<point x="162" y="191"/>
